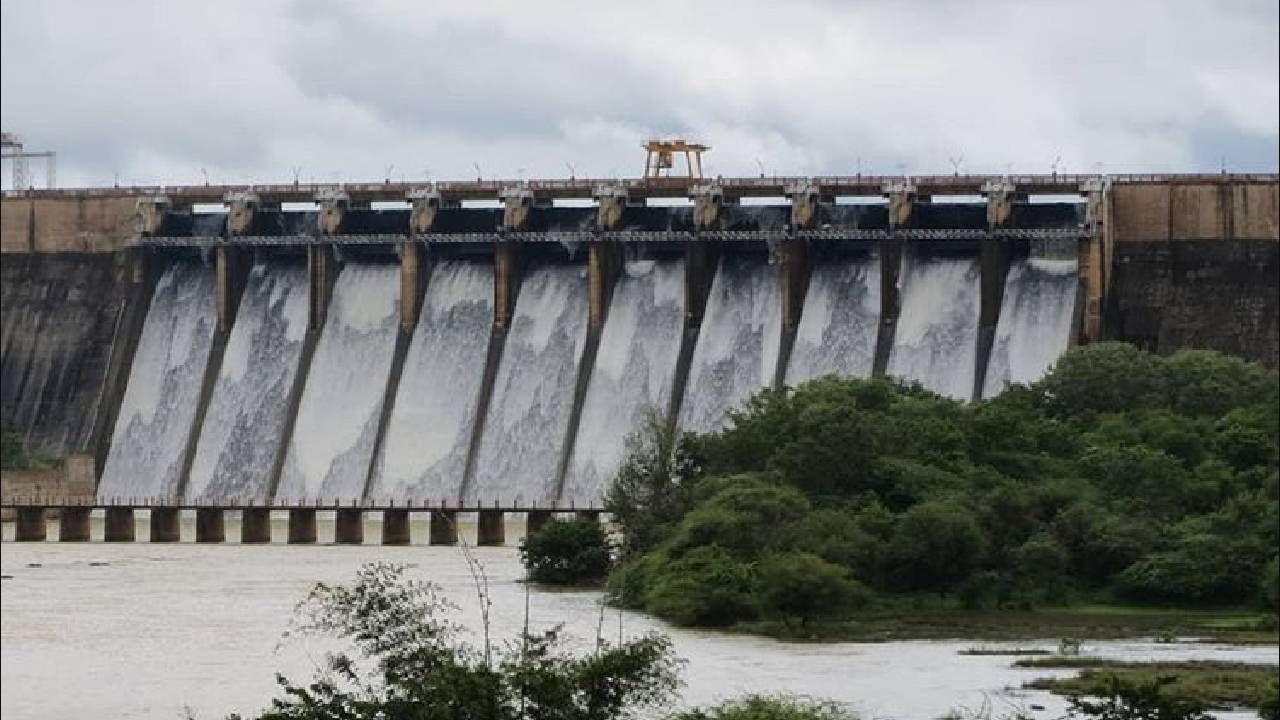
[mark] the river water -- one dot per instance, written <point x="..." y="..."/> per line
<point x="156" y="631"/>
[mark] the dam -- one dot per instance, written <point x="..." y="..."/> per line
<point x="490" y="346"/>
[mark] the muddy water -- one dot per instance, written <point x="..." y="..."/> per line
<point x="152" y="631"/>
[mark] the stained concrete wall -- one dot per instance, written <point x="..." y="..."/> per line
<point x="58" y="319"/>
<point x="1196" y="265"/>
<point x="83" y="224"/>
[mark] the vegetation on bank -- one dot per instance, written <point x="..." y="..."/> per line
<point x="1209" y="684"/>
<point x="567" y="552"/>
<point x="14" y="455"/>
<point x="1121" y="477"/>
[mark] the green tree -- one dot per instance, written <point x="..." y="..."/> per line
<point x="802" y="586"/>
<point x="936" y="546"/>
<point x="650" y="492"/>
<point x="1104" y="377"/>
<point x="1136" y="700"/>
<point x="566" y="552"/>
<point x="706" y="587"/>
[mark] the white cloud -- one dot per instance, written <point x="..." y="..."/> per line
<point x="156" y="91"/>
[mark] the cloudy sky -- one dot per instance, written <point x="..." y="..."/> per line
<point x="256" y="91"/>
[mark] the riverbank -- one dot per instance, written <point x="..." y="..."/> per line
<point x="1217" y="685"/>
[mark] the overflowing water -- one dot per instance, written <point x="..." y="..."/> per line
<point x="156" y="415"/>
<point x="937" y="334"/>
<point x="737" y="350"/>
<point x="1035" y="321"/>
<point x="425" y="450"/>
<point x="533" y="392"/>
<point x="634" y="369"/>
<point x="334" y="435"/>
<point x="838" y="328"/>
<point x="246" y="415"/>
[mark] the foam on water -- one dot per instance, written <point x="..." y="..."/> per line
<point x="519" y="454"/>
<point x="634" y="369"/>
<point x="1035" y="321"/>
<point x="159" y="405"/>
<point x="425" y="451"/>
<point x="837" y="332"/>
<point x="241" y="433"/>
<point x="333" y="438"/>
<point x="937" y="333"/>
<point x="737" y="350"/>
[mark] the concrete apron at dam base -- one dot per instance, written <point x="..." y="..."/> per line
<point x="260" y="526"/>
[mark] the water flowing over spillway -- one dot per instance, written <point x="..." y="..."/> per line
<point x="634" y="369"/>
<point x="937" y="333"/>
<point x="425" y="450"/>
<point x="1035" y="321"/>
<point x="737" y="350"/>
<point x="837" y="332"/>
<point x="159" y="405"/>
<point x="337" y="424"/>
<point x="520" y="449"/>
<point x="246" y="416"/>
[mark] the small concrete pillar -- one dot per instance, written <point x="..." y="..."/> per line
<point x="444" y="527"/>
<point x="29" y="524"/>
<point x="426" y="204"/>
<point x="119" y="525"/>
<point x="255" y="526"/>
<point x="506" y="282"/>
<point x="491" y="528"/>
<point x="348" y="526"/>
<point x="601" y="273"/>
<point x="1094" y="261"/>
<point x="804" y="204"/>
<point x="334" y="204"/>
<point x="395" y="527"/>
<point x="517" y="205"/>
<point x="166" y="525"/>
<point x="413" y="275"/>
<point x="322" y="271"/>
<point x="611" y="202"/>
<point x="902" y="195"/>
<point x="149" y="213"/>
<point x="592" y="516"/>
<point x="73" y="524"/>
<point x="535" y="520"/>
<point x="241" y="210"/>
<point x="890" y="302"/>
<point x="302" y="526"/>
<point x="1000" y="198"/>
<point x="230" y="275"/>
<point x="210" y="525"/>
<point x="707" y="202"/>
<point x="701" y="258"/>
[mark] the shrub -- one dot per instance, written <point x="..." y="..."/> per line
<point x="706" y="587"/>
<point x="770" y="708"/>
<point x="802" y="586"/>
<point x="567" y="553"/>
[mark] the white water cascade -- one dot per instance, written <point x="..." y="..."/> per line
<point x="241" y="434"/>
<point x="937" y="333"/>
<point x="737" y="350"/>
<point x="425" y="450"/>
<point x="333" y="437"/>
<point x="519" y="455"/>
<point x="1035" y="321"/>
<point x="159" y="405"/>
<point x="633" y="373"/>
<point x="840" y="321"/>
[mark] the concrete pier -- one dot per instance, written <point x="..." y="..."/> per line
<point x="302" y="527"/>
<point x="322" y="271"/>
<point x="348" y="526"/>
<point x="395" y="527"/>
<point x="491" y="528"/>
<point x="592" y="516"/>
<point x="994" y="266"/>
<point x="413" y="275"/>
<point x="119" y="525"/>
<point x="73" y="524"/>
<point x="444" y="527"/>
<point x="210" y="525"/>
<point x="535" y="520"/>
<point x="255" y="526"/>
<point x="166" y="525"/>
<point x="890" y="302"/>
<point x="506" y="282"/>
<point x="29" y="525"/>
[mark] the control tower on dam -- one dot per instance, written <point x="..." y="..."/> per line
<point x="493" y="343"/>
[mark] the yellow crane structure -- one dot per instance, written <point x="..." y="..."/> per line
<point x="660" y="155"/>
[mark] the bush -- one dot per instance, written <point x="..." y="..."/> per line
<point x="936" y="546"/>
<point x="770" y="708"/>
<point x="707" y="587"/>
<point x="803" y="586"/>
<point x="567" y="553"/>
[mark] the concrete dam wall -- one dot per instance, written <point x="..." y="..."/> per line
<point x="504" y="355"/>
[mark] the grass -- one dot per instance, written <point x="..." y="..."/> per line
<point x="1221" y="685"/>
<point x="1003" y="652"/>
<point x="1092" y="622"/>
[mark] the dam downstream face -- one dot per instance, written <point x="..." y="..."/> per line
<point x="1035" y="321"/>
<point x="247" y="410"/>
<point x="160" y="402"/>
<point x="333" y="440"/>
<point x="425" y="451"/>
<point x="937" y="333"/>
<point x="839" y="324"/>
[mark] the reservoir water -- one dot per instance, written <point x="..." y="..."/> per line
<point x="152" y="632"/>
